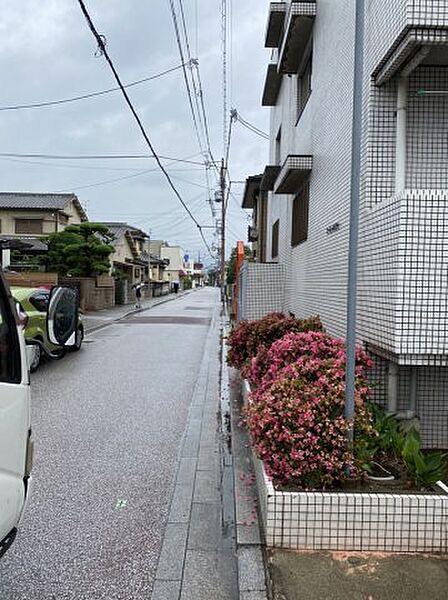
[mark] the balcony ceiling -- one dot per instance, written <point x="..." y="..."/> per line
<point x="272" y="85"/>
<point x="297" y="32"/>
<point x="269" y="176"/>
<point x="419" y="45"/>
<point x="251" y="191"/>
<point x="293" y="174"/>
<point x="274" y="29"/>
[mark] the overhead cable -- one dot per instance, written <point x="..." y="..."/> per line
<point x="187" y="82"/>
<point x="96" y="157"/>
<point x="248" y="125"/>
<point x="86" y="96"/>
<point x="104" y="52"/>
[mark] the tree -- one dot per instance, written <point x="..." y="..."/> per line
<point x="232" y="263"/>
<point x="80" y="250"/>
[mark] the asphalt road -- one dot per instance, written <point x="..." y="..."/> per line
<point x="107" y="424"/>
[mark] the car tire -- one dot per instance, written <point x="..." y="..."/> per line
<point x="36" y="358"/>
<point x="79" y="340"/>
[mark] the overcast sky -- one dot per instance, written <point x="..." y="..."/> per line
<point x="47" y="53"/>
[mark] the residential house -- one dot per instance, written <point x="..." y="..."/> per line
<point x="174" y="255"/>
<point x="26" y="217"/>
<point x="130" y="259"/>
<point x="305" y="189"/>
<point x="134" y="262"/>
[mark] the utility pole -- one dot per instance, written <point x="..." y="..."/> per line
<point x="354" y="219"/>
<point x="223" y="231"/>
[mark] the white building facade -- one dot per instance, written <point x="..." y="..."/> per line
<point x="403" y="245"/>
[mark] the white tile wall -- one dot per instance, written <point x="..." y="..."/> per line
<point x="352" y="521"/>
<point x="403" y="238"/>
<point x="261" y="288"/>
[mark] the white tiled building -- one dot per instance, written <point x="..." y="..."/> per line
<point x="403" y="255"/>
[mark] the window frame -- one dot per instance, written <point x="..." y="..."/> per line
<point x="13" y="361"/>
<point x="18" y="220"/>
<point x="307" y="63"/>
<point x="300" y="216"/>
<point x="278" y="147"/>
<point x="275" y="238"/>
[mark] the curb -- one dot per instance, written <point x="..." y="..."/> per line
<point x="253" y="575"/>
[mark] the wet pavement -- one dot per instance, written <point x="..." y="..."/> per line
<point x="111" y="425"/>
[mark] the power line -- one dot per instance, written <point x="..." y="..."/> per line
<point x="91" y="95"/>
<point x="248" y="125"/>
<point x="187" y="82"/>
<point x="102" y="49"/>
<point x="96" y="157"/>
<point x="197" y="87"/>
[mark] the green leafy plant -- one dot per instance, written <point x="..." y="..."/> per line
<point x="391" y="436"/>
<point x="425" y="469"/>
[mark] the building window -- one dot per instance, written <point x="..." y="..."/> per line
<point x="63" y="219"/>
<point x="278" y="147"/>
<point x="299" y="230"/>
<point x="32" y="226"/>
<point x="275" y="229"/>
<point x="304" y="85"/>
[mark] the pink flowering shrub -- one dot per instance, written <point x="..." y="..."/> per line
<point x="296" y="414"/>
<point x="264" y="366"/>
<point x="249" y="337"/>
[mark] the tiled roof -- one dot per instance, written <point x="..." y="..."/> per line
<point x="31" y="244"/>
<point x="120" y="228"/>
<point x="31" y="200"/>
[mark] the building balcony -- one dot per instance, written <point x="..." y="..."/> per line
<point x="297" y="33"/>
<point x="269" y="176"/>
<point x="251" y="191"/>
<point x="293" y="174"/>
<point x="274" y="29"/>
<point x="272" y="85"/>
<point x="404" y="277"/>
<point x="423" y="38"/>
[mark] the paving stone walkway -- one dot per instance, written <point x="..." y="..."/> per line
<point x="198" y="558"/>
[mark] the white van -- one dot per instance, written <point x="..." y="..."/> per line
<point x="16" y="446"/>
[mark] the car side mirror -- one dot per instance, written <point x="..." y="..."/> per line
<point x="62" y="316"/>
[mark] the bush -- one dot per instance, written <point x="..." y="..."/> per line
<point x="249" y="337"/>
<point x="296" y="416"/>
<point x="315" y="344"/>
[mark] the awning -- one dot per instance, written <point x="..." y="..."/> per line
<point x="269" y="176"/>
<point x="272" y="85"/>
<point x="298" y="27"/>
<point x="251" y="191"/>
<point x="293" y="174"/>
<point x="274" y="29"/>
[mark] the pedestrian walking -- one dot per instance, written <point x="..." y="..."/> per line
<point x="138" y="295"/>
<point x="176" y="287"/>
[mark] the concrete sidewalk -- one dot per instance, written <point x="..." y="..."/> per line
<point x="198" y="556"/>
<point x="101" y="318"/>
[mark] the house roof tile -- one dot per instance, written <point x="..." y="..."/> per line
<point x="30" y="200"/>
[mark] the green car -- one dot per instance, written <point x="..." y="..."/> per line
<point x="32" y="305"/>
